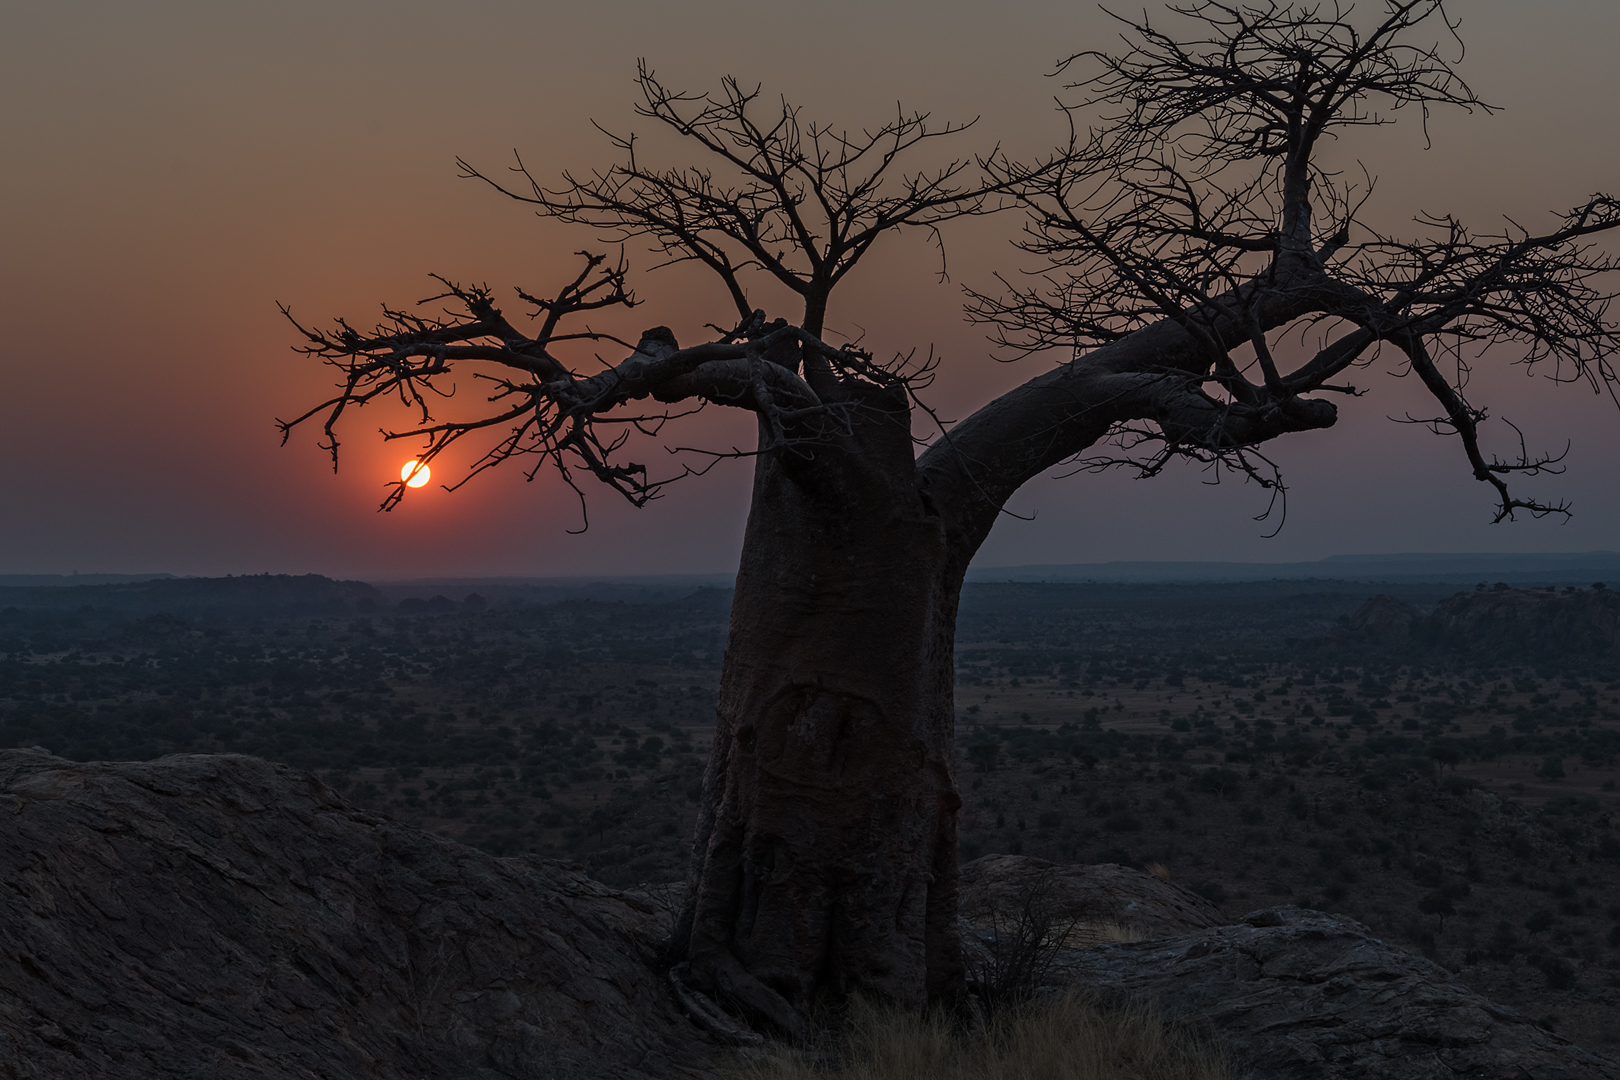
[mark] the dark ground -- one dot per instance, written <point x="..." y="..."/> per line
<point x="1460" y="803"/>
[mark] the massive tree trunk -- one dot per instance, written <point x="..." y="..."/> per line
<point x="825" y="851"/>
<point x="826" y="847"/>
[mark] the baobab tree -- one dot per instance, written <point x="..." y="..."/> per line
<point x="1207" y="284"/>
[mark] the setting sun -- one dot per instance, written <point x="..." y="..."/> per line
<point x="415" y="474"/>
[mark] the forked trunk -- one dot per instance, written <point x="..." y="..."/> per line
<point x="825" y="852"/>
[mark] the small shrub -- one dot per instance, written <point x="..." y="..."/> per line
<point x="1122" y="822"/>
<point x="1015" y="944"/>
<point x="984" y="755"/>
<point x="1437" y="904"/>
<point x="1560" y="976"/>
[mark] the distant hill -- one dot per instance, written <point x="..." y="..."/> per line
<point x="1574" y="568"/>
<point x="264" y="593"/>
<point x="629" y="589"/>
<point x="141" y="591"/>
<point x="38" y="580"/>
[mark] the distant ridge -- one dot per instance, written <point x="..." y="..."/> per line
<point x="262" y="593"/>
<point x="628" y="588"/>
<point x="1559" y="568"/>
<point x="1541" y="568"/>
<point x="37" y="581"/>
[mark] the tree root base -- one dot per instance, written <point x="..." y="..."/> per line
<point x="707" y="1015"/>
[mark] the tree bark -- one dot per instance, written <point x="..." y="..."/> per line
<point x="826" y="848"/>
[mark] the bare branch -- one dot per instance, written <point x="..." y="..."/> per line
<point x="1197" y="215"/>
<point x="800" y="201"/>
<point x="569" y="420"/>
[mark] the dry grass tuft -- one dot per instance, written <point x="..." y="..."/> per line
<point x="1158" y="870"/>
<point x="1083" y="935"/>
<point x="1067" y="1038"/>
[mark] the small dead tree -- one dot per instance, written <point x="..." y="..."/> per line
<point x="1190" y="242"/>
<point x="1017" y="940"/>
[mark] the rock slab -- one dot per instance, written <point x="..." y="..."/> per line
<point x="228" y="918"/>
<point x="1305" y="995"/>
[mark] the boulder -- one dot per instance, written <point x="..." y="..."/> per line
<point x="1092" y="903"/>
<point x="220" y="916"/>
<point x="1304" y="995"/>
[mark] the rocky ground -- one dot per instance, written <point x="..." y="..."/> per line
<point x="225" y="917"/>
<point x="1305" y="995"/>
<point x="222" y="917"/>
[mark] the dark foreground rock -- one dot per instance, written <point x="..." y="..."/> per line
<point x="1303" y="995"/>
<point x="227" y="918"/>
<point x="224" y="917"/>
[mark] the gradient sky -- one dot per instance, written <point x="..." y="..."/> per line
<point x="173" y="169"/>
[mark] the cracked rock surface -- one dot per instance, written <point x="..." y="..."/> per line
<point x="1302" y="994"/>
<point x="221" y="916"/>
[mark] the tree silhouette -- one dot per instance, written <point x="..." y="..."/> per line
<point x="1191" y="242"/>
<point x="1439" y="905"/>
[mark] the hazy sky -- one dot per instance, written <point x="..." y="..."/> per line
<point x="173" y="169"/>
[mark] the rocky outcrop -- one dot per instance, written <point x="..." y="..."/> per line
<point x="1293" y="994"/>
<point x="1493" y="623"/>
<point x="1525" y="622"/>
<point x="1112" y="902"/>
<point x="1303" y="995"/>
<point x="224" y="917"/>
<point x="1383" y="620"/>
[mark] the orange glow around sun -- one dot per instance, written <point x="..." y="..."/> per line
<point x="415" y="474"/>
